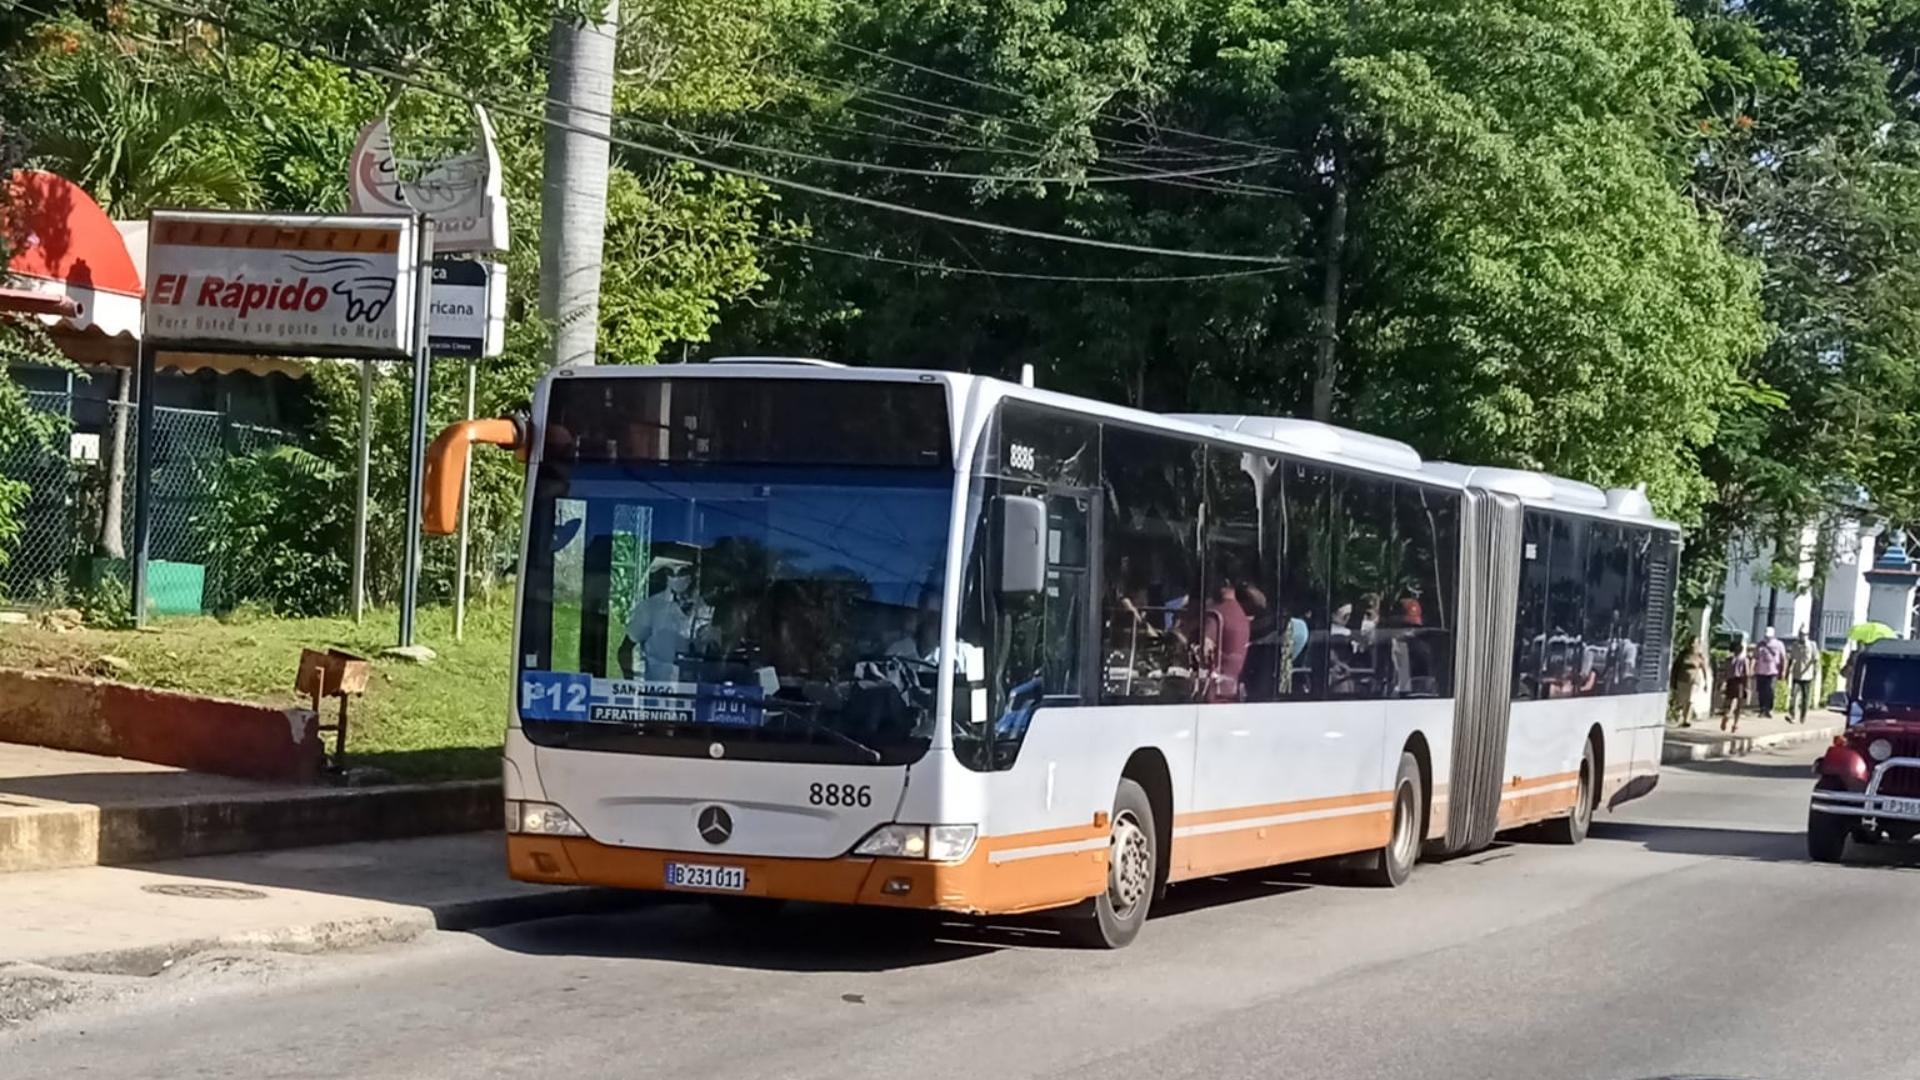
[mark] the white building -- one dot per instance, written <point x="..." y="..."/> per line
<point x="1748" y="603"/>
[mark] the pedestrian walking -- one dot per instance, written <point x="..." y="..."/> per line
<point x="1737" y="668"/>
<point x="1803" y="667"/>
<point x="1769" y="661"/>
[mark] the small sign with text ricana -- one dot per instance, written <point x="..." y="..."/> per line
<point x="281" y="283"/>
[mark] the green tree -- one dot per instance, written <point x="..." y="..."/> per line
<point x="1493" y="254"/>
<point x="1808" y="142"/>
<point x="137" y="132"/>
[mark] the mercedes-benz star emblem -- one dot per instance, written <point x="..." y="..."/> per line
<point x="715" y="825"/>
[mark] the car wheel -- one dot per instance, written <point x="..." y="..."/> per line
<point x="1827" y="836"/>
<point x="1393" y="864"/>
<point x="1132" y="867"/>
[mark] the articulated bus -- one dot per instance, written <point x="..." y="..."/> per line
<point x="918" y="639"/>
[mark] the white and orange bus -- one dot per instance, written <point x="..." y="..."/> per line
<point x="918" y="639"/>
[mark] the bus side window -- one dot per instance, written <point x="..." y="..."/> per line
<point x="1240" y="632"/>
<point x="1530" y="622"/>
<point x="1366" y="576"/>
<point x="1295" y="515"/>
<point x="1607" y="652"/>
<point x="1151" y="621"/>
<point x="1427" y="527"/>
<point x="1564" y="665"/>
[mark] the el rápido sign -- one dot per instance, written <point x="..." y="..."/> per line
<point x="279" y="283"/>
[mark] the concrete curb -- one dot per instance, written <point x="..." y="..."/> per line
<point x="335" y="935"/>
<point x="1731" y="746"/>
<point x="68" y="835"/>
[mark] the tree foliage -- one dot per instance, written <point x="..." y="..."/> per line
<point x="1808" y="143"/>
<point x="1492" y="253"/>
<point x="1659" y="242"/>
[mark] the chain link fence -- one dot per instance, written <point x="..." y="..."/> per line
<point x="63" y="551"/>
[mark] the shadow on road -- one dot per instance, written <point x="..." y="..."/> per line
<point x="794" y="937"/>
<point x="810" y="937"/>
<point x="1796" y="766"/>
<point x="1756" y="844"/>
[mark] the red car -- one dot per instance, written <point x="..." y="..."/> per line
<point x="1869" y="786"/>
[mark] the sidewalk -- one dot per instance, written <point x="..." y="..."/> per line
<point x="61" y="809"/>
<point x="1704" y="741"/>
<point x="137" y="920"/>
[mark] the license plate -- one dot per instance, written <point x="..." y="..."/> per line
<point x="1909" y="807"/>
<point x="682" y="875"/>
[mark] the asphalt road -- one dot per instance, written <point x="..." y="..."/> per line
<point x="1688" y="936"/>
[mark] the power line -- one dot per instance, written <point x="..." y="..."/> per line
<point x="716" y="142"/>
<point x="870" y="96"/>
<point x="1022" y="96"/>
<point x="711" y="165"/>
<point x="1084" y="279"/>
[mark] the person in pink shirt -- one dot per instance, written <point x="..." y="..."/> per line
<point x="1228" y="639"/>
<point x="1769" y="663"/>
<point x="1738" y="667"/>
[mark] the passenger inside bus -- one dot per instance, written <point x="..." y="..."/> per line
<point x="1225" y="641"/>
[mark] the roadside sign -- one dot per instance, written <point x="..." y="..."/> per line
<point x="468" y="307"/>
<point x="461" y="194"/>
<point x="291" y="284"/>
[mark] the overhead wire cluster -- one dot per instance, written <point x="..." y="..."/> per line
<point x="1191" y="168"/>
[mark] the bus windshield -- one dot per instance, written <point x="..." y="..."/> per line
<point x="785" y="610"/>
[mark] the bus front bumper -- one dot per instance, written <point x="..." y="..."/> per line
<point x="979" y="885"/>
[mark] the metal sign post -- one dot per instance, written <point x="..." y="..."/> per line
<point x="143" y="481"/>
<point x="417" y="448"/>
<point x="466" y="508"/>
<point x="361" y="485"/>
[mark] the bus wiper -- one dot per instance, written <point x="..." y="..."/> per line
<point x="788" y="708"/>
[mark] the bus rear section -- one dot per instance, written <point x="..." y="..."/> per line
<point x="729" y="624"/>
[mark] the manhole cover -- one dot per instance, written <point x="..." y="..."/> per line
<point x="205" y="892"/>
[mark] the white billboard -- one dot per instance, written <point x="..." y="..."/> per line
<point x="295" y="284"/>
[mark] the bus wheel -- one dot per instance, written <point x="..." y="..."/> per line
<point x="1573" y="828"/>
<point x="1393" y="864"/>
<point x="1131" y="861"/>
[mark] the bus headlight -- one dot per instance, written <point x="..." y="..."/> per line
<point x="541" y="819"/>
<point x="941" y="843"/>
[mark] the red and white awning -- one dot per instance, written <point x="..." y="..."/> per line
<point x="69" y="265"/>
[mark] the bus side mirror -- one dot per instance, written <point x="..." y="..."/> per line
<point x="444" y="484"/>
<point x="1023" y="544"/>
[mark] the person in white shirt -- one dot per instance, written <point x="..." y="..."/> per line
<point x="663" y="627"/>
<point x="920" y="638"/>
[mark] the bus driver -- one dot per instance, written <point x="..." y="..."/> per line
<point x="664" y="626"/>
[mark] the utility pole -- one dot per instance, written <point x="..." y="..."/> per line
<point x="573" y="203"/>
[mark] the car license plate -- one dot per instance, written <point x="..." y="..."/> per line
<point x="1908" y="807"/>
<point x="682" y="875"/>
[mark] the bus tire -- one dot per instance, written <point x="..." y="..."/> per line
<point x="1118" y="913"/>
<point x="1573" y="828"/>
<point x="1391" y="865"/>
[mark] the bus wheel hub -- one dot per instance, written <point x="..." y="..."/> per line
<point x="1130" y="873"/>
